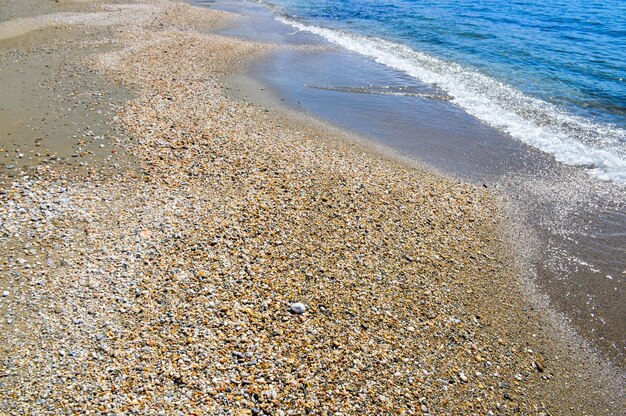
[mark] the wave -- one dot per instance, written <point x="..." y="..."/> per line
<point x="404" y="91"/>
<point x="570" y="139"/>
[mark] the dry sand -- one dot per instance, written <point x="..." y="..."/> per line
<point x="161" y="282"/>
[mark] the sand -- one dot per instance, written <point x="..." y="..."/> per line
<point x="163" y="282"/>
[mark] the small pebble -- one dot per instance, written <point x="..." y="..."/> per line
<point x="297" y="307"/>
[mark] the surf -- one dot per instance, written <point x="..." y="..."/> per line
<point x="571" y="139"/>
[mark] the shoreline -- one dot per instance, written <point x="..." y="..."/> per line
<point x="168" y="288"/>
<point x="577" y="222"/>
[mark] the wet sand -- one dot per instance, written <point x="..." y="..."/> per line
<point x="168" y="287"/>
<point x="54" y="110"/>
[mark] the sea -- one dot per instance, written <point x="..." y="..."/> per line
<point x="527" y="98"/>
<point x="551" y="74"/>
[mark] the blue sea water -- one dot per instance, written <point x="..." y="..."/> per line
<point x="550" y="73"/>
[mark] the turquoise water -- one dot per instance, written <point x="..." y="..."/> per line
<point x="551" y="74"/>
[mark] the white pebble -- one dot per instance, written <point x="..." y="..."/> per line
<point x="297" y="307"/>
<point x="5" y="293"/>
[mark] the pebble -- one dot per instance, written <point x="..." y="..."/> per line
<point x="297" y="308"/>
<point x="5" y="293"/>
<point x="539" y="364"/>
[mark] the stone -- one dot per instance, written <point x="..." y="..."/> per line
<point x="297" y="307"/>
<point x="270" y="394"/>
<point x="5" y="293"/>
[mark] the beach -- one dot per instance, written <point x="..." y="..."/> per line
<point x="168" y="248"/>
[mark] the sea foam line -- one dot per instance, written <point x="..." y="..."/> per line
<point x="571" y="139"/>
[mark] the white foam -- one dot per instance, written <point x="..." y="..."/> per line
<point x="570" y="139"/>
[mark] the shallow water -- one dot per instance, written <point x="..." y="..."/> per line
<point x="550" y="74"/>
<point x="576" y="224"/>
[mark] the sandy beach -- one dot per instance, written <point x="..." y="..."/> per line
<point x="169" y="249"/>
